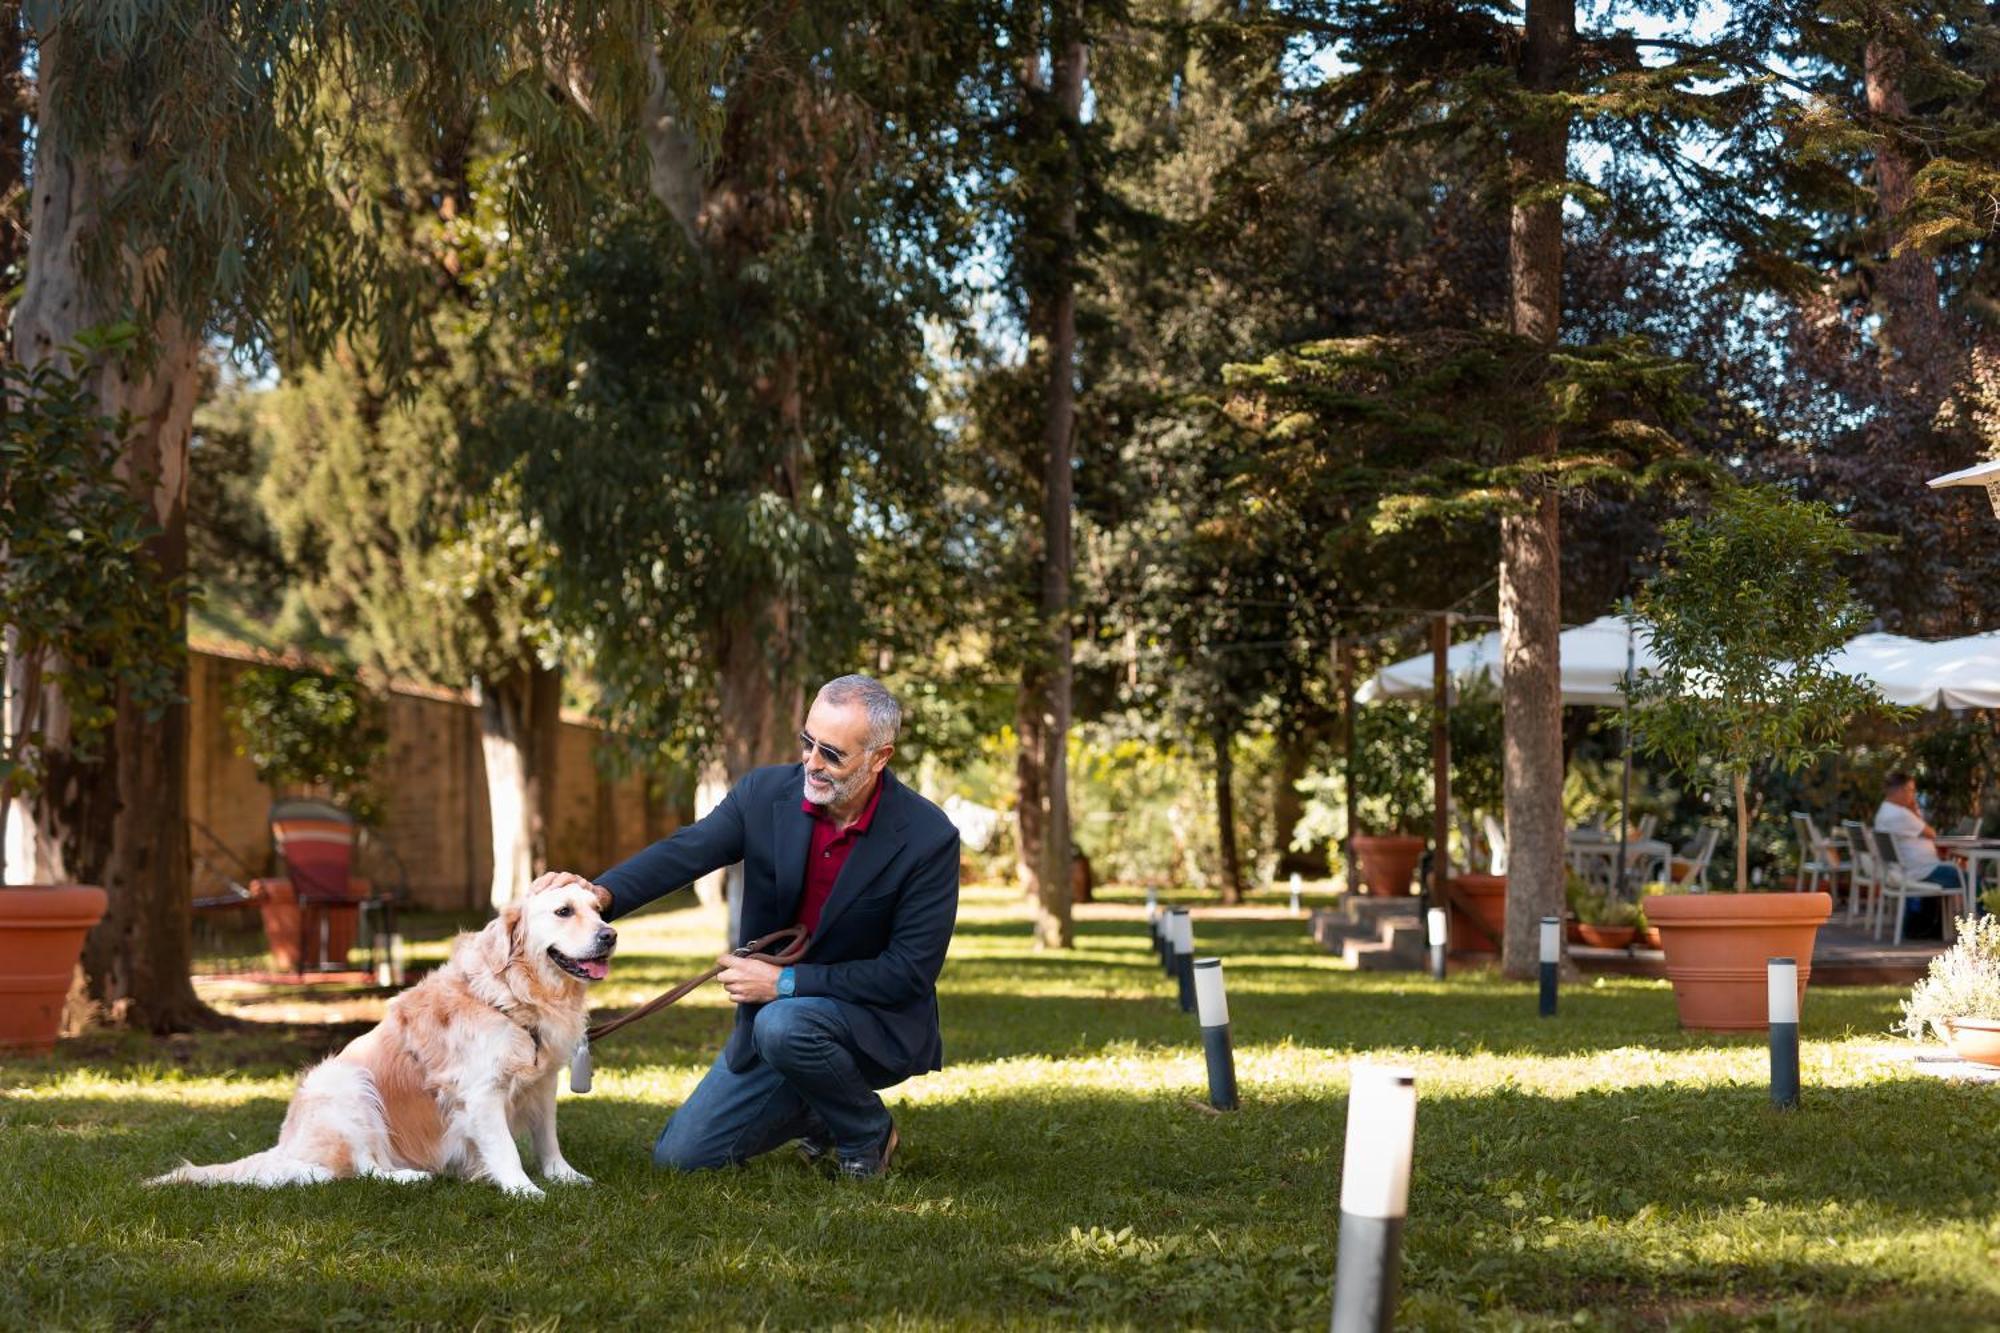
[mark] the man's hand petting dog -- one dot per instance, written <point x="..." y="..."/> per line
<point x="555" y="879"/>
<point x="748" y="980"/>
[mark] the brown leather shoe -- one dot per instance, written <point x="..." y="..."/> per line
<point x="875" y="1164"/>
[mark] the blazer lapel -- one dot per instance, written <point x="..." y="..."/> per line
<point x="873" y="851"/>
<point x="791" y="836"/>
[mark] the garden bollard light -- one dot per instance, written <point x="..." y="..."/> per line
<point x="1434" y="922"/>
<point x="1295" y="893"/>
<point x="579" y="1067"/>
<point x="1183" y="941"/>
<point x="1782" y="979"/>
<point x="1165" y="940"/>
<point x="1374" y="1198"/>
<point x="1551" y="956"/>
<point x="1213" y="1007"/>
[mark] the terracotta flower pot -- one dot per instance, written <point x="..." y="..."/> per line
<point x="1606" y="937"/>
<point x="1387" y="863"/>
<point x="41" y="936"/>
<point x="1717" y="945"/>
<point x="1649" y="936"/>
<point x="1975" y="1039"/>
<point x="1478" y="913"/>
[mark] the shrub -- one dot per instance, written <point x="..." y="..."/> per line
<point x="1964" y="980"/>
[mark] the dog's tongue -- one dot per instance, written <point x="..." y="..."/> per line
<point x="597" y="969"/>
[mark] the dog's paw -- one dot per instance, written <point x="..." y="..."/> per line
<point x="525" y="1189"/>
<point x="405" y="1177"/>
<point x="564" y="1174"/>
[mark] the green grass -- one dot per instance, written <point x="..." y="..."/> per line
<point x="1600" y="1170"/>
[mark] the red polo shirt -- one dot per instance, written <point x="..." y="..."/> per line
<point x="830" y="846"/>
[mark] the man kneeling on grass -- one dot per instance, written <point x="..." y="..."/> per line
<point x="870" y="868"/>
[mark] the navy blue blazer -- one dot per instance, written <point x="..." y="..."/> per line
<point x="882" y="934"/>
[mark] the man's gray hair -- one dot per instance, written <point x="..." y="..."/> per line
<point x="885" y="715"/>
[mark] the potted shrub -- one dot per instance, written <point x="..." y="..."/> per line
<point x="1960" y="999"/>
<point x="1596" y="918"/>
<point x="1392" y="777"/>
<point x="1746" y="613"/>
<point x="81" y="600"/>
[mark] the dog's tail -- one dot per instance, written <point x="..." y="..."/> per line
<point x="269" y="1168"/>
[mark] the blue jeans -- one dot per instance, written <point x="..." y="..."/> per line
<point x="1924" y="917"/>
<point x="808" y="1079"/>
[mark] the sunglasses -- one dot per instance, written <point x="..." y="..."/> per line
<point x="836" y="758"/>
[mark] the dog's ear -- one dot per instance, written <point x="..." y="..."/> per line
<point x="603" y="897"/>
<point x="500" y="942"/>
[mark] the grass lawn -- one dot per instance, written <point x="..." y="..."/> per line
<point x="1601" y="1170"/>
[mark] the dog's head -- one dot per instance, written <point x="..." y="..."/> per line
<point x="558" y="930"/>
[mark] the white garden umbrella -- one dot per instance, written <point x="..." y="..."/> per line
<point x="1922" y="673"/>
<point x="1593" y="664"/>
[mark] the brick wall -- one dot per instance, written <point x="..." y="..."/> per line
<point x="432" y="782"/>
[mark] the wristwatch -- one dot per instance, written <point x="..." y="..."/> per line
<point x="787" y="983"/>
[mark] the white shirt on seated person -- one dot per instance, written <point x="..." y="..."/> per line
<point x="1913" y="843"/>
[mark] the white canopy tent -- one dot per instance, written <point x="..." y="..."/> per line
<point x="1950" y="673"/>
<point x="1593" y="664"/>
<point x="1918" y="673"/>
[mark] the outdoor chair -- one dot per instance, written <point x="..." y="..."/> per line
<point x="313" y="913"/>
<point x="1863" y="880"/>
<point x="1647" y="823"/>
<point x="1818" y="859"/>
<point x="1689" y="865"/>
<point x="1894" y="883"/>
<point x="1496" y="845"/>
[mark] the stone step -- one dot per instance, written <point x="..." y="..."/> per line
<point x="1373" y="939"/>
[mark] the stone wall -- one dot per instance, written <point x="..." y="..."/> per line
<point x="433" y="786"/>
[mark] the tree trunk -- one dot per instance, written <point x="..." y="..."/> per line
<point x="1225" y="815"/>
<point x="1053" y="317"/>
<point x="1288" y="807"/>
<point x="1738" y="782"/>
<point x="519" y="724"/>
<point x="1030" y="804"/>
<point x="1906" y="284"/>
<point x="1530" y="541"/>
<point x="121" y="822"/>
<point x="760" y="700"/>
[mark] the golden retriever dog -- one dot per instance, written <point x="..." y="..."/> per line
<point x="463" y="1061"/>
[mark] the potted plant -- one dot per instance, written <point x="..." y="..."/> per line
<point x="1960" y="998"/>
<point x="1596" y="918"/>
<point x="82" y="601"/>
<point x="1392" y="782"/>
<point x="1746" y="613"/>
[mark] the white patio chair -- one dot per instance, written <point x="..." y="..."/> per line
<point x="1647" y="823"/>
<point x="1817" y="858"/>
<point x="1863" y="881"/>
<point x="1695" y="854"/>
<point x="1496" y="845"/>
<point x="1898" y="885"/>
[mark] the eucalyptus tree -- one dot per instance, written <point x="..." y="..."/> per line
<point x="191" y="180"/>
<point x="733" y="402"/>
<point x="1690" y="128"/>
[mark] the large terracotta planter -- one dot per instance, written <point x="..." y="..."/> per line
<point x="1718" y="944"/>
<point x="1478" y="913"/>
<point x="41" y="936"/>
<point x="1387" y="863"/>
<point x="1976" y="1039"/>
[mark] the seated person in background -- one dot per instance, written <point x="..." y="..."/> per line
<point x="1899" y="817"/>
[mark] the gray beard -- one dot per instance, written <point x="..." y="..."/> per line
<point x="842" y="790"/>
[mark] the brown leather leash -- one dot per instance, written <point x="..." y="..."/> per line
<point x="796" y="940"/>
